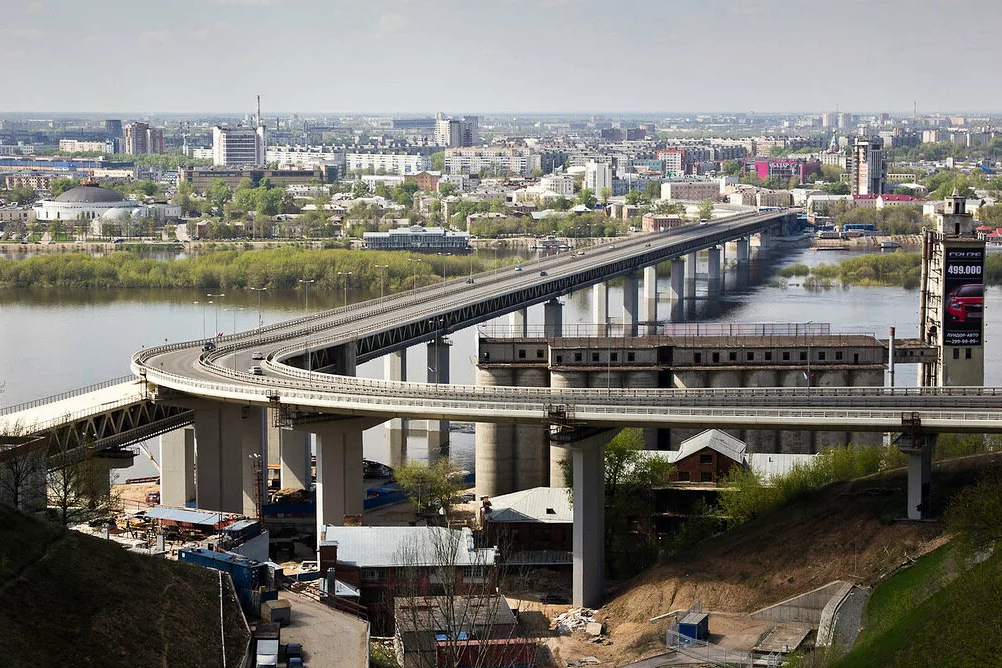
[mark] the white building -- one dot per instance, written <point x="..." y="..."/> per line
<point x="391" y="163"/>
<point x="305" y="156"/>
<point x="562" y="184"/>
<point x="692" y="191"/>
<point x="87" y="201"/>
<point x="416" y="237"/>
<point x="598" y="176"/>
<point x="238" y="145"/>
<point x="867" y="166"/>
<point x="457" y="132"/>
<point x="76" y="146"/>
<point x="496" y="160"/>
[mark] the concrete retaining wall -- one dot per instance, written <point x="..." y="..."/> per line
<point x="806" y="608"/>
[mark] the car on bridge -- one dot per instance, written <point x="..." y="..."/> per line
<point x="257" y="355"/>
<point x="256" y="371"/>
<point x="208" y="346"/>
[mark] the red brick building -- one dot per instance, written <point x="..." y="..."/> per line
<point x="707" y="457"/>
<point x="530" y="527"/>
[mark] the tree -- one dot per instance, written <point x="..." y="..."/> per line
<point x="82" y="226"/>
<point x="653" y="190"/>
<point x="446" y="189"/>
<point x="637" y="198"/>
<point x="587" y="198"/>
<point x="219" y="194"/>
<point x="438" y="161"/>
<point x="604" y="194"/>
<point x="974" y="515"/>
<point x="58" y="186"/>
<point x="430" y="487"/>
<point x="21" y="195"/>
<point x="359" y="189"/>
<point x="705" y="211"/>
<point x="22" y="470"/>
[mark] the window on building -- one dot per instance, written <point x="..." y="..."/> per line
<point x="560" y="359"/>
<point x="474" y="573"/>
<point x="967" y="353"/>
<point x="371" y="595"/>
<point x="768" y="356"/>
<point x="956" y="353"/>
<point x="706" y="459"/>
<point x="577" y="357"/>
<point x="698" y="358"/>
<point x="521" y="353"/>
<point x="594" y="357"/>
<point x="539" y="354"/>
<point x="614" y="357"/>
<point x="732" y="356"/>
<point x="631" y="357"/>
<point x="706" y="476"/>
<point x="855" y="358"/>
<point x="751" y="357"/>
<point x="683" y="476"/>
<point x="838" y="354"/>
<point x="821" y="356"/>
<point x="372" y="575"/>
<point x="803" y="356"/>
<point x="716" y="357"/>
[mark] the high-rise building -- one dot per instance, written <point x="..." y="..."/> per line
<point x="140" y="139"/>
<point x="238" y="145"/>
<point x="457" y="132"/>
<point x="113" y="128"/>
<point x="867" y="166"/>
<point x="598" y="176"/>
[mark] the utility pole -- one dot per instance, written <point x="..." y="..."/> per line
<point x="260" y="320"/>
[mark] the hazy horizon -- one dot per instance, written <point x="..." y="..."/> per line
<point x="509" y="57"/>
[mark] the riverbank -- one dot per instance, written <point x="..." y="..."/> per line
<point x="870" y="243"/>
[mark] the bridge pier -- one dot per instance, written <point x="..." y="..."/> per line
<point x="631" y="307"/>
<point x="650" y="312"/>
<point x="553" y="319"/>
<point x="340" y="488"/>
<point x="918" y="447"/>
<point x="294" y="454"/>
<point x="530" y="445"/>
<point x="742" y="249"/>
<point x="690" y="268"/>
<point x="438" y="373"/>
<point x="600" y="308"/>
<point x="518" y="321"/>
<point x="228" y="438"/>
<point x="177" y="467"/>
<point x="494" y="441"/>
<point x="677" y="280"/>
<point x="395" y="368"/>
<point x="713" y="270"/>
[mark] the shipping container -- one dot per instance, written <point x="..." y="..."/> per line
<point x="695" y="626"/>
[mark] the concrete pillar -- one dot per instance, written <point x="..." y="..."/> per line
<point x="690" y="267"/>
<point x="295" y="459"/>
<point x="713" y="264"/>
<point x="519" y="323"/>
<point x="553" y="319"/>
<point x="438" y="372"/>
<point x="631" y="308"/>
<point x="677" y="280"/>
<point x="742" y="249"/>
<point x="600" y="308"/>
<point x="589" y="524"/>
<point x="395" y="431"/>
<point x="208" y="453"/>
<point x="177" y="467"/>
<point x="100" y="474"/>
<point x="530" y="442"/>
<point x="343" y="360"/>
<point x="494" y="441"/>
<point x="254" y="460"/>
<point x="650" y="304"/>
<point x="340" y="490"/>
<point x="919" y="477"/>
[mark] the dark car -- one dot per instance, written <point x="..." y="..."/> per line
<point x="966" y="303"/>
<point x="152" y="497"/>
<point x="542" y="273"/>
<point x="208" y="346"/>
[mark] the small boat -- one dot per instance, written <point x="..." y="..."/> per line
<point x="889" y="245"/>
<point x="831" y="248"/>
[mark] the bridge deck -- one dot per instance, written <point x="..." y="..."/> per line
<point x="40" y="418"/>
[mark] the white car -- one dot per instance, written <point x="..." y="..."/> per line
<point x="257" y="356"/>
<point x="256" y="371"/>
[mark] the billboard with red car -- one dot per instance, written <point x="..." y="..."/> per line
<point x="963" y="301"/>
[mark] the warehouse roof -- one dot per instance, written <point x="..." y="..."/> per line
<point x="539" y="504"/>
<point x="388" y="547"/>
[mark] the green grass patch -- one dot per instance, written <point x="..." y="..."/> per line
<point x="957" y="626"/>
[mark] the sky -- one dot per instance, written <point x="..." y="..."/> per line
<point x="499" y="56"/>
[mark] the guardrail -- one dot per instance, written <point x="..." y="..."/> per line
<point x="66" y="395"/>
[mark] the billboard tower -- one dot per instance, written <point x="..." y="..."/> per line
<point x="951" y="315"/>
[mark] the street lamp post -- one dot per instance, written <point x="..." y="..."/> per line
<point x="234" y="312"/>
<point x="203" y="317"/>
<point x="260" y="320"/>
<point x="346" y="275"/>
<point x="414" y="278"/>
<point x="307" y="282"/>
<point x="216" y="332"/>
<point x="382" y="273"/>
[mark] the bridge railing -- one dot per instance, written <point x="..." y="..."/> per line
<point x="66" y="395"/>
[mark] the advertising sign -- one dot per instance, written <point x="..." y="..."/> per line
<point x="963" y="301"/>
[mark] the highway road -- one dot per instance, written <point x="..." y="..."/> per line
<point x="379" y="326"/>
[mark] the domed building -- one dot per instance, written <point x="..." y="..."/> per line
<point x="88" y="200"/>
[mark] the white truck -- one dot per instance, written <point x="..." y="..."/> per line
<point x="267" y="653"/>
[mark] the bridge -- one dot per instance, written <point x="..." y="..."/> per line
<point x="307" y="383"/>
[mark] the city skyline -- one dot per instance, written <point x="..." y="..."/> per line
<point x="508" y="57"/>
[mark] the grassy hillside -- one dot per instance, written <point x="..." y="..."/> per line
<point x="74" y="600"/>
<point x="959" y="625"/>
<point x="845" y="531"/>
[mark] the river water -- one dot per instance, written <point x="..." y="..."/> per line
<point x="52" y="341"/>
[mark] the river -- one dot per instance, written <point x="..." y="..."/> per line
<point x="52" y="341"/>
